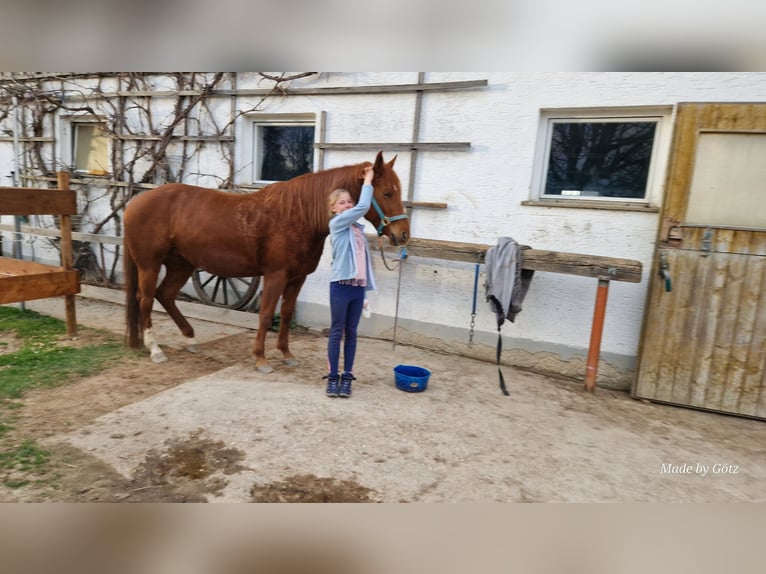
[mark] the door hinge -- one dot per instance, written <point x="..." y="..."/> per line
<point x="707" y="241"/>
<point x="664" y="271"/>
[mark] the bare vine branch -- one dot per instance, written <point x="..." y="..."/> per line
<point x="141" y="139"/>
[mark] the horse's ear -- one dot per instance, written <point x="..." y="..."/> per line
<point x="391" y="163"/>
<point x="378" y="162"/>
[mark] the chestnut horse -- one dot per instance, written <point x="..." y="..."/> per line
<point x="277" y="233"/>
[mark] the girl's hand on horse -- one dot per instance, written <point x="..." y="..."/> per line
<point x="369" y="173"/>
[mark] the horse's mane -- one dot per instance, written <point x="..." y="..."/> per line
<point x="304" y="198"/>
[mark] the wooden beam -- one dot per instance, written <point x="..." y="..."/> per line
<point x="609" y="268"/>
<point x="10" y="267"/>
<point x="383" y="89"/>
<point x="27" y="281"/>
<point x="328" y="91"/>
<point x="52" y="232"/>
<point x="28" y="139"/>
<point x="130" y="137"/>
<point x="397" y="146"/>
<point x="26" y="201"/>
<point x="425" y="204"/>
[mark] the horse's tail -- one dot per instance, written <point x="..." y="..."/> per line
<point x="132" y="310"/>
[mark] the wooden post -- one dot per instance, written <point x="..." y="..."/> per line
<point x="66" y="257"/>
<point x="594" y="350"/>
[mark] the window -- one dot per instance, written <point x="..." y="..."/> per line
<point x="595" y="156"/>
<point x="727" y="185"/>
<point x="90" y="148"/>
<point x="282" y="146"/>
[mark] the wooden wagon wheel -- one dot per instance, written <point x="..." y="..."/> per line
<point x="228" y="292"/>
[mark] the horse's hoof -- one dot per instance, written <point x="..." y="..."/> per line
<point x="292" y="362"/>
<point x="159" y="357"/>
<point x="193" y="349"/>
<point x="265" y="369"/>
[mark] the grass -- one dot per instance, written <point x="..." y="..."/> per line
<point x="20" y="461"/>
<point x="43" y="360"/>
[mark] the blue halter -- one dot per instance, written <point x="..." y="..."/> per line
<point x="384" y="221"/>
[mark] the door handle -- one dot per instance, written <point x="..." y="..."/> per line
<point x="664" y="271"/>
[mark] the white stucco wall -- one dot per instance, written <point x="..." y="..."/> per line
<point x="484" y="189"/>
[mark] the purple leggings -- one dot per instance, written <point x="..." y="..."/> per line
<point x="346" y="302"/>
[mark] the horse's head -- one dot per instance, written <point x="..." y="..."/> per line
<point x="387" y="213"/>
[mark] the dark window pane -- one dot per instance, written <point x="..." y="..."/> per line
<point x="288" y="151"/>
<point x="602" y="159"/>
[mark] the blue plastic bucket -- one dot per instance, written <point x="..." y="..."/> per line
<point x="410" y="378"/>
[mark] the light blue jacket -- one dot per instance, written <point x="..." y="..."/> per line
<point x="342" y="239"/>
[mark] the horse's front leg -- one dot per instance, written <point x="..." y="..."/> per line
<point x="155" y="352"/>
<point x="272" y="288"/>
<point x="289" y="298"/>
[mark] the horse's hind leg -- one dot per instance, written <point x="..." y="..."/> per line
<point x="178" y="271"/>
<point x="273" y="285"/>
<point x="147" y="287"/>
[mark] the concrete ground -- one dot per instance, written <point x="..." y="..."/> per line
<point x="460" y="440"/>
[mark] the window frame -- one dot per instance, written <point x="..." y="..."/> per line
<point x="252" y="147"/>
<point x="660" y="115"/>
<point x="70" y="135"/>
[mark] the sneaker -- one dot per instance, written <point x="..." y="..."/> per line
<point x="345" y="385"/>
<point x="332" y="384"/>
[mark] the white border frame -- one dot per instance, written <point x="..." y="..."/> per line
<point x="657" y="166"/>
<point x="248" y="145"/>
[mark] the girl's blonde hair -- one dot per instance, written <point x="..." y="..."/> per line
<point x="333" y="197"/>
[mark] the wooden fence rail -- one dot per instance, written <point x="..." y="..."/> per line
<point x="25" y="280"/>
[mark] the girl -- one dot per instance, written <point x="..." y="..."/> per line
<point x="350" y="277"/>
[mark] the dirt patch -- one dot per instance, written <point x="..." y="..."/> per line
<point x="9" y="343"/>
<point x="309" y="488"/>
<point x="51" y="411"/>
<point x="84" y="338"/>
<point x="186" y="470"/>
<point x="76" y="476"/>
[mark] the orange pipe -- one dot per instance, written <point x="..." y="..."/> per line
<point x="594" y="350"/>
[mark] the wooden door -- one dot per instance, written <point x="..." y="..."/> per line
<point x="703" y="343"/>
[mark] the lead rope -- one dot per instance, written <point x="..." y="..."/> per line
<point x="499" y="371"/>
<point x="499" y="349"/>
<point x="402" y="255"/>
<point x="473" y="309"/>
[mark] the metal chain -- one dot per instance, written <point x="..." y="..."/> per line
<point x="473" y="308"/>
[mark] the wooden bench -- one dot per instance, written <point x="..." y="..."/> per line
<point x="25" y="280"/>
